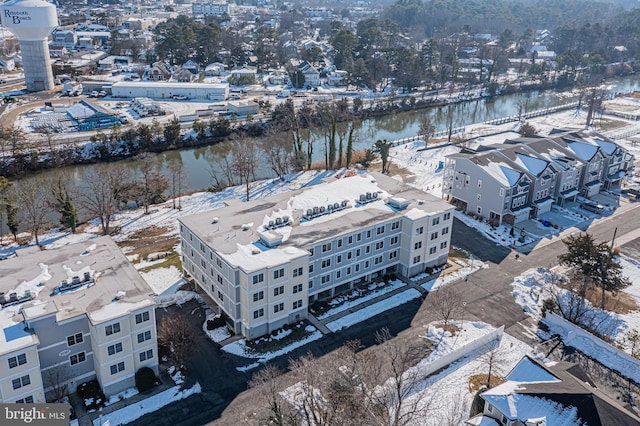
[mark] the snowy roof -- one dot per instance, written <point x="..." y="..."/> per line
<point x="535" y="166"/>
<point x="524" y="407"/>
<point x="236" y="232"/>
<point x="584" y="151"/>
<point x="40" y="273"/>
<point x="503" y="173"/>
<point x="528" y="371"/>
<point x="167" y="85"/>
<point x="607" y="147"/>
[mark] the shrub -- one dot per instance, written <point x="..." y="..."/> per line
<point x="215" y="323"/>
<point x="92" y="395"/>
<point x="477" y="406"/>
<point x="146" y="379"/>
<point x="548" y="305"/>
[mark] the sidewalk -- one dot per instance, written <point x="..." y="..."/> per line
<point x="86" y="419"/>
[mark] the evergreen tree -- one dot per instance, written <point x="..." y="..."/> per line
<point x="12" y="220"/>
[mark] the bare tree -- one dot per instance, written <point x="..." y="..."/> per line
<point x="244" y="161"/>
<point x="446" y="302"/>
<point x="176" y="168"/>
<point x="426" y="128"/>
<point x="175" y="335"/>
<point x="152" y="183"/>
<point x="279" y="154"/>
<point x="268" y="383"/>
<point x="58" y="379"/>
<point x="220" y="165"/>
<point x="102" y="192"/>
<point x="32" y="199"/>
<point x="494" y="357"/>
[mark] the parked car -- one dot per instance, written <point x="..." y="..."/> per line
<point x="592" y="207"/>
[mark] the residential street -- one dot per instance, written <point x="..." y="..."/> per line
<point x="487" y="293"/>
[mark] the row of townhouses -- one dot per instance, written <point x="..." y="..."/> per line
<point x="522" y="178"/>
<point x="70" y="315"/>
<point x="262" y="262"/>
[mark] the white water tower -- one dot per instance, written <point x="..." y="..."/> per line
<point x="32" y="21"/>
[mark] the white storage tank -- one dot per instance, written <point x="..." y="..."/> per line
<point x="32" y="21"/>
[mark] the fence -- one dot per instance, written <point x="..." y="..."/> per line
<point x="494" y="122"/>
<point x="462" y="351"/>
<point x="594" y="347"/>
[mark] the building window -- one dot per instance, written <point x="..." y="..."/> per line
<point x="380" y="230"/>
<point x="379" y="245"/>
<point x="25" y="400"/>
<point x="434" y="235"/>
<point x="310" y="283"/>
<point x="310" y="268"/>
<point x="479" y="210"/>
<point x="298" y="271"/>
<point x="358" y="237"/>
<point x="277" y="308"/>
<point x="143" y="337"/>
<point x="394" y="240"/>
<point x="148" y="354"/>
<point x="377" y="260"/>
<point x="395" y="225"/>
<point x="112" y="329"/>
<point x="278" y="291"/>
<point x="21" y="382"/>
<point x="417" y="245"/>
<point x="357" y="267"/>
<point x="420" y="230"/>
<point x="297" y="304"/>
<point x="447" y="216"/>
<point x="338" y="275"/>
<point x="75" y="339"/>
<point x="279" y="273"/>
<point x="218" y="262"/>
<point x="311" y="252"/>
<point x="325" y="279"/>
<point x="326" y="247"/>
<point x="369" y="233"/>
<point x="297" y="288"/>
<point x="432" y="250"/>
<point x="350" y="239"/>
<point x="339" y="259"/>
<point x="416" y="259"/>
<point x="220" y="296"/>
<point x="435" y="221"/>
<point x="259" y="313"/>
<point x="326" y="263"/>
<point x="349" y="270"/>
<point x="114" y="349"/>
<point x="220" y="279"/>
<point x="479" y="183"/>
<point x="15" y="361"/>
<point x="393" y="255"/>
<point x="77" y="358"/>
<point x="258" y="296"/>
<point x="142" y="317"/>
<point x="445" y="230"/>
<point x="366" y="264"/>
<point x="478" y="196"/>
<point x="443" y="244"/>
<point x="116" y="368"/>
<point x="349" y="255"/>
<point x="367" y="249"/>
<point x="258" y="278"/>
<point x="340" y="243"/>
<point x="501" y="192"/>
<point x="490" y="408"/>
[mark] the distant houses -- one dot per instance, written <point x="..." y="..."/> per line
<point x="522" y="178"/>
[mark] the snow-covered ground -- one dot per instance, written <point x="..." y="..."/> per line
<point x="217" y="334"/>
<point x="531" y="288"/>
<point x="347" y="301"/>
<point x="146" y="406"/>
<point x="240" y="348"/>
<point x="373" y="310"/>
<point x="467" y="267"/>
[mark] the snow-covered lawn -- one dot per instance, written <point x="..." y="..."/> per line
<point x="217" y="334"/>
<point x="127" y="393"/>
<point x="373" y="310"/>
<point x="240" y="348"/>
<point x="531" y="288"/>
<point x="348" y="301"/>
<point x="146" y="406"/>
<point x="468" y="267"/>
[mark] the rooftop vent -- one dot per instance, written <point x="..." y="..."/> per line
<point x="246" y="227"/>
<point x="322" y="210"/>
<point x="75" y="283"/>
<point x="14" y="299"/>
<point x="367" y="198"/>
<point x="398" y="203"/>
<point x="120" y="294"/>
<point x="214" y="220"/>
<point x="278" y="222"/>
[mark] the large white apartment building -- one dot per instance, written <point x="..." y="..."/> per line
<point x="72" y="314"/>
<point x="263" y="261"/>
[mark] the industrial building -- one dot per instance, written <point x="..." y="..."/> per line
<point x="32" y="21"/>
<point x="70" y="315"/>
<point x="243" y="108"/>
<point x="88" y="116"/>
<point x="263" y="261"/>
<point x="166" y="90"/>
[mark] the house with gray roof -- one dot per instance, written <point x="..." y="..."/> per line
<point x="558" y="393"/>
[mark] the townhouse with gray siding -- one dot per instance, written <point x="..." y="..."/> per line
<point x="70" y="315"/>
<point x="264" y="261"/>
<point x="522" y="178"/>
